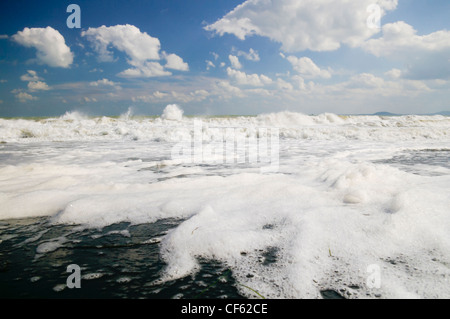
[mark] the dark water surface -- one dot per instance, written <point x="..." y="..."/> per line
<point x="419" y="161"/>
<point x="119" y="261"/>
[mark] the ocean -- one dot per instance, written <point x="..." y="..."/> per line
<point x="281" y="205"/>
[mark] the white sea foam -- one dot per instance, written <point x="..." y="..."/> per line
<point x="337" y="205"/>
<point x="172" y="126"/>
<point x="50" y="246"/>
<point x="172" y="112"/>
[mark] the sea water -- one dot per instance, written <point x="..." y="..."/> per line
<point x="352" y="206"/>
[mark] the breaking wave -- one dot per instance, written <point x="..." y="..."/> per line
<point x="172" y="125"/>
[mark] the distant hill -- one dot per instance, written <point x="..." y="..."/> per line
<point x="445" y="113"/>
<point x="386" y="114"/>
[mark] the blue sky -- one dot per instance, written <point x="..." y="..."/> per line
<point x="225" y="57"/>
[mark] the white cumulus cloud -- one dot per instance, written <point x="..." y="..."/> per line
<point x="24" y="97"/>
<point x="141" y="49"/>
<point x="394" y="73"/>
<point x="145" y="70"/>
<point x="105" y="83"/>
<point x="251" y="55"/>
<point x="174" y="62"/>
<point x="426" y="56"/>
<point x="318" y="25"/>
<point x="38" y="86"/>
<point x="139" y="46"/>
<point x="283" y="85"/>
<point x="31" y="75"/>
<point x="49" y="43"/>
<point x="102" y="82"/>
<point x="209" y="65"/>
<point x="35" y="82"/>
<point x="243" y="78"/>
<point x="400" y="37"/>
<point x="234" y="60"/>
<point x="307" y="68"/>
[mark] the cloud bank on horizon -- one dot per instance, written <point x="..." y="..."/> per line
<point x="309" y="56"/>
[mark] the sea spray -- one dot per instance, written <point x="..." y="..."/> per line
<point x="172" y="112"/>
